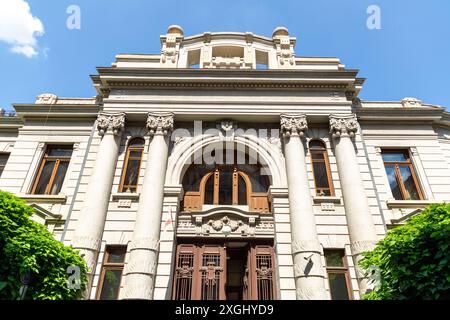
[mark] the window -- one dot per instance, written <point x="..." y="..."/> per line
<point x="321" y="168"/>
<point x="111" y="274"/>
<point x="226" y="184"/>
<point x="53" y="170"/>
<point x="132" y="165"/>
<point x="337" y="272"/>
<point x="401" y="175"/>
<point x="3" y="160"/>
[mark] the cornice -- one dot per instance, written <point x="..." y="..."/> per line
<point x="57" y="111"/>
<point x="419" y="114"/>
<point x="10" y="123"/>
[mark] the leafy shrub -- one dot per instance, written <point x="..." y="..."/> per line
<point x="28" y="248"/>
<point x="414" y="259"/>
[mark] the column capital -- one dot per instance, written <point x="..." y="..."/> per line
<point x="293" y="124"/>
<point x="343" y="124"/>
<point x="113" y="122"/>
<point x="160" y="123"/>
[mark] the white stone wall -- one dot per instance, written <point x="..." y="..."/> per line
<point x="429" y="157"/>
<point x="26" y="155"/>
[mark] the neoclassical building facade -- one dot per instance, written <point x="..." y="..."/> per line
<point x="225" y="167"/>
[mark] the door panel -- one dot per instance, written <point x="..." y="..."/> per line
<point x="200" y="273"/>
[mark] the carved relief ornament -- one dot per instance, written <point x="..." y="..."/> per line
<point x="339" y="125"/>
<point x="160" y="123"/>
<point x="114" y="122"/>
<point x="293" y="124"/>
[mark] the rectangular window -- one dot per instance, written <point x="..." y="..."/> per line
<point x="338" y="276"/>
<point x="52" y="170"/>
<point x="401" y="175"/>
<point x="111" y="274"/>
<point x="3" y="160"/>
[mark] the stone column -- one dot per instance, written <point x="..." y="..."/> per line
<point x="306" y="249"/>
<point x="89" y="230"/>
<point x="141" y="268"/>
<point x="359" y="219"/>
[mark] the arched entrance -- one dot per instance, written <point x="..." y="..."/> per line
<point x="225" y="233"/>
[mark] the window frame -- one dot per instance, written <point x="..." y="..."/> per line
<point x="110" y="266"/>
<point x="339" y="270"/>
<point x="235" y="185"/>
<point x="326" y="161"/>
<point x="45" y="158"/>
<point x="130" y="148"/>
<point x="398" y="176"/>
<point x="2" y="167"/>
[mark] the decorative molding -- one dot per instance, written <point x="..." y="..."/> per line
<point x="145" y="243"/>
<point x="137" y="291"/>
<point x="211" y="225"/>
<point x="114" y="122"/>
<point x="87" y="243"/>
<point x="293" y="124"/>
<point x="415" y="204"/>
<point x="226" y="127"/>
<point x="327" y="206"/>
<point x="160" y="123"/>
<point x="340" y="125"/>
<point x="334" y="200"/>
<point x="414" y="151"/>
<point x="46" y="98"/>
<point x="299" y="246"/>
<point x="224" y="85"/>
<point x="39" y="198"/>
<point x="359" y="247"/>
<point x="311" y="294"/>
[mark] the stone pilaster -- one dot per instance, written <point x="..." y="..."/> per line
<point x="89" y="230"/>
<point x="141" y="269"/>
<point x="359" y="219"/>
<point x="306" y="249"/>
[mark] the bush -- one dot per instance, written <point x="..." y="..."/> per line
<point x="28" y="248"/>
<point x="414" y="259"/>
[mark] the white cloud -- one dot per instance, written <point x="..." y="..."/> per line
<point x="19" y="28"/>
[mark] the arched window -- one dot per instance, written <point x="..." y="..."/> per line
<point x="225" y="185"/>
<point x="132" y="165"/>
<point x="321" y="168"/>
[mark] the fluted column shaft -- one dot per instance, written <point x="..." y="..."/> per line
<point x="89" y="230"/>
<point x="359" y="218"/>
<point x="306" y="249"/>
<point x="141" y="268"/>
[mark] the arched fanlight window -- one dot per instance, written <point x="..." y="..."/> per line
<point x="321" y="168"/>
<point x="225" y="185"/>
<point x="132" y="165"/>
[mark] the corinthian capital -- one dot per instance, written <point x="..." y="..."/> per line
<point x="293" y="124"/>
<point x="347" y="124"/>
<point x="113" y="122"/>
<point x="160" y="123"/>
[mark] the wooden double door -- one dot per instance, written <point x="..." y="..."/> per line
<point x="231" y="271"/>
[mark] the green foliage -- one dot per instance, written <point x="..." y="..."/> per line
<point x="28" y="247"/>
<point x="414" y="259"/>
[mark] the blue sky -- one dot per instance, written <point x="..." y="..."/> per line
<point x="408" y="57"/>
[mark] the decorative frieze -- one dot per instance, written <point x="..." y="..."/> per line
<point x="224" y="224"/>
<point x="340" y="125"/>
<point x="160" y="123"/>
<point x="113" y="122"/>
<point x="293" y="124"/>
